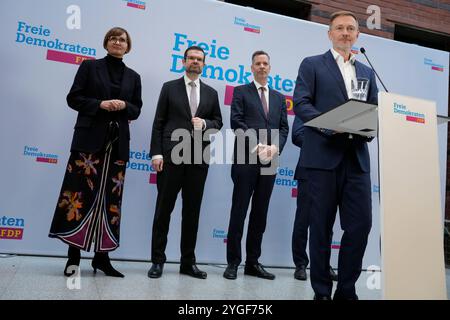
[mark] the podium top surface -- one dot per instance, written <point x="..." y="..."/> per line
<point x="354" y="116"/>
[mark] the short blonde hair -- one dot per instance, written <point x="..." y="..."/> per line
<point x="336" y="14"/>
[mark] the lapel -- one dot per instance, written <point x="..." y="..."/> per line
<point x="272" y="103"/>
<point x="203" y="99"/>
<point x="184" y="97"/>
<point x="125" y="86"/>
<point x="360" y="71"/>
<point x="102" y="72"/>
<point x="257" y="97"/>
<point x="334" y="70"/>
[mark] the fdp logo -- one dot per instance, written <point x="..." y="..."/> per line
<point x="247" y="27"/>
<point x="220" y="234"/>
<point x="409" y="115"/>
<point x="11" y="228"/>
<point x="434" y="66"/>
<point x="32" y="151"/>
<point x="57" y="50"/>
<point x="137" y="4"/>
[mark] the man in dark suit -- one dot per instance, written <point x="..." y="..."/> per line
<point x="188" y="109"/>
<point x="337" y="165"/>
<point x="301" y="222"/>
<point x="259" y="114"/>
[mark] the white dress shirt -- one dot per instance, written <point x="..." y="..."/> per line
<point x="188" y="88"/>
<point x="266" y="95"/>
<point x="266" y="92"/>
<point x="188" y="92"/>
<point x="347" y="69"/>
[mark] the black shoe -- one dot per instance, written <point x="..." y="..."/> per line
<point x="333" y="275"/>
<point x="231" y="272"/>
<point x="156" y="270"/>
<point x="257" y="270"/>
<point x="193" y="271"/>
<point x="74" y="260"/>
<point x="101" y="261"/>
<point x="339" y="297"/>
<point x="319" y="297"/>
<point x="300" y="273"/>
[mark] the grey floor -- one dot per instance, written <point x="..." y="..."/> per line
<point x="31" y="277"/>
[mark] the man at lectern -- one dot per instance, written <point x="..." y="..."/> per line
<point x="337" y="164"/>
<point x="301" y="221"/>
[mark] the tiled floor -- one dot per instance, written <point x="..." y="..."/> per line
<point x="31" y="277"/>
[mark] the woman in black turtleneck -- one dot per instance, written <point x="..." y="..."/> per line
<point x="107" y="95"/>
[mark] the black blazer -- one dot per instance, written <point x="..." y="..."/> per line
<point x="90" y="87"/>
<point x="173" y="112"/>
<point x="247" y="113"/>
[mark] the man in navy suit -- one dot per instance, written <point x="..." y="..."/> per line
<point x="185" y="105"/>
<point x="259" y="114"/>
<point x="301" y="222"/>
<point x="337" y="165"/>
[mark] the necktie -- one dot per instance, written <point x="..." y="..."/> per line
<point x="264" y="101"/>
<point x="193" y="98"/>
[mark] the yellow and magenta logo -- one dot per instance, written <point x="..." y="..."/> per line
<point x="137" y="4"/>
<point x="409" y="115"/>
<point x="57" y="50"/>
<point x="247" y="26"/>
<point x="32" y="151"/>
<point x="11" y="228"/>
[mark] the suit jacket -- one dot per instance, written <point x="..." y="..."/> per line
<point x="247" y="113"/>
<point x="173" y="112"/>
<point x="320" y="88"/>
<point x="298" y="132"/>
<point x="90" y="87"/>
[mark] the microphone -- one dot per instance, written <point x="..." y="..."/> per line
<point x="363" y="51"/>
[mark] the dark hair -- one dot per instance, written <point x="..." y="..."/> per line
<point x="259" y="53"/>
<point x="336" y="14"/>
<point x="117" y="31"/>
<point x="194" y="48"/>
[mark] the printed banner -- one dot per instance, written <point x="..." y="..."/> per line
<point x="45" y="41"/>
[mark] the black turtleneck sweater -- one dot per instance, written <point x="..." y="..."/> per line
<point x="115" y="70"/>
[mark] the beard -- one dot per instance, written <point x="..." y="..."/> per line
<point x="345" y="44"/>
<point x="194" y="69"/>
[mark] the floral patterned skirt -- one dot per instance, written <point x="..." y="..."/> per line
<point x="89" y="205"/>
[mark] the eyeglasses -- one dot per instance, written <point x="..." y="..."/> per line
<point x="115" y="39"/>
<point x="191" y="58"/>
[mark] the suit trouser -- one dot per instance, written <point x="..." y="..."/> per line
<point x="190" y="179"/>
<point x="248" y="184"/>
<point x="348" y="188"/>
<point x="301" y="225"/>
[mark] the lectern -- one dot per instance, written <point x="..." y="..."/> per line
<point x="412" y="252"/>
